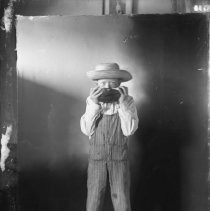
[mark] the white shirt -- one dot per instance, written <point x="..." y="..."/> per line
<point x="126" y="110"/>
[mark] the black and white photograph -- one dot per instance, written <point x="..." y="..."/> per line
<point x="104" y="105"/>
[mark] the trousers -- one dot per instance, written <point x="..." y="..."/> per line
<point x="119" y="180"/>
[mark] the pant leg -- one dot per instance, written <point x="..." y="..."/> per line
<point x="96" y="184"/>
<point x="119" y="178"/>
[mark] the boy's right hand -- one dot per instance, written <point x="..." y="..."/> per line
<point x="95" y="93"/>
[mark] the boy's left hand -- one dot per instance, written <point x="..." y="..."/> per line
<point x="123" y="93"/>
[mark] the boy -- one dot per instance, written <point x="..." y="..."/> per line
<point x="109" y="119"/>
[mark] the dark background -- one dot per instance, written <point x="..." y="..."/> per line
<point x="167" y="55"/>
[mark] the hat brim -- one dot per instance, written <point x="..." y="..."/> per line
<point x="122" y="75"/>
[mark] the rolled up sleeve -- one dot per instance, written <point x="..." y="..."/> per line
<point x="128" y="116"/>
<point x="87" y="121"/>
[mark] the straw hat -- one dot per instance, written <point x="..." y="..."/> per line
<point x="109" y="71"/>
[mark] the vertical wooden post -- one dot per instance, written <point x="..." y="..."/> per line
<point x="181" y="6"/>
<point x="106" y="7"/>
<point x="8" y="112"/>
<point x="174" y="6"/>
<point x="129" y="7"/>
<point x="209" y="119"/>
<point x="188" y="6"/>
<point x="109" y="7"/>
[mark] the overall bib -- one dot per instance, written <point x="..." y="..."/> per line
<point x="108" y="155"/>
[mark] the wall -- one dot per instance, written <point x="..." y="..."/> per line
<point x="167" y="56"/>
<point x="90" y="7"/>
<point x="153" y="6"/>
<point x="59" y="7"/>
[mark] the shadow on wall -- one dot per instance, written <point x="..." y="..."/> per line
<point x="172" y="167"/>
<point x="52" y="151"/>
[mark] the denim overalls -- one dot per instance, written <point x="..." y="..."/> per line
<point x="108" y="156"/>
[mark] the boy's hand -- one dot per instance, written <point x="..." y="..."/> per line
<point x="123" y="93"/>
<point x="95" y="93"/>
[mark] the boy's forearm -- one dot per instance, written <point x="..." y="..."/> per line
<point x="128" y="116"/>
<point x="87" y="121"/>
